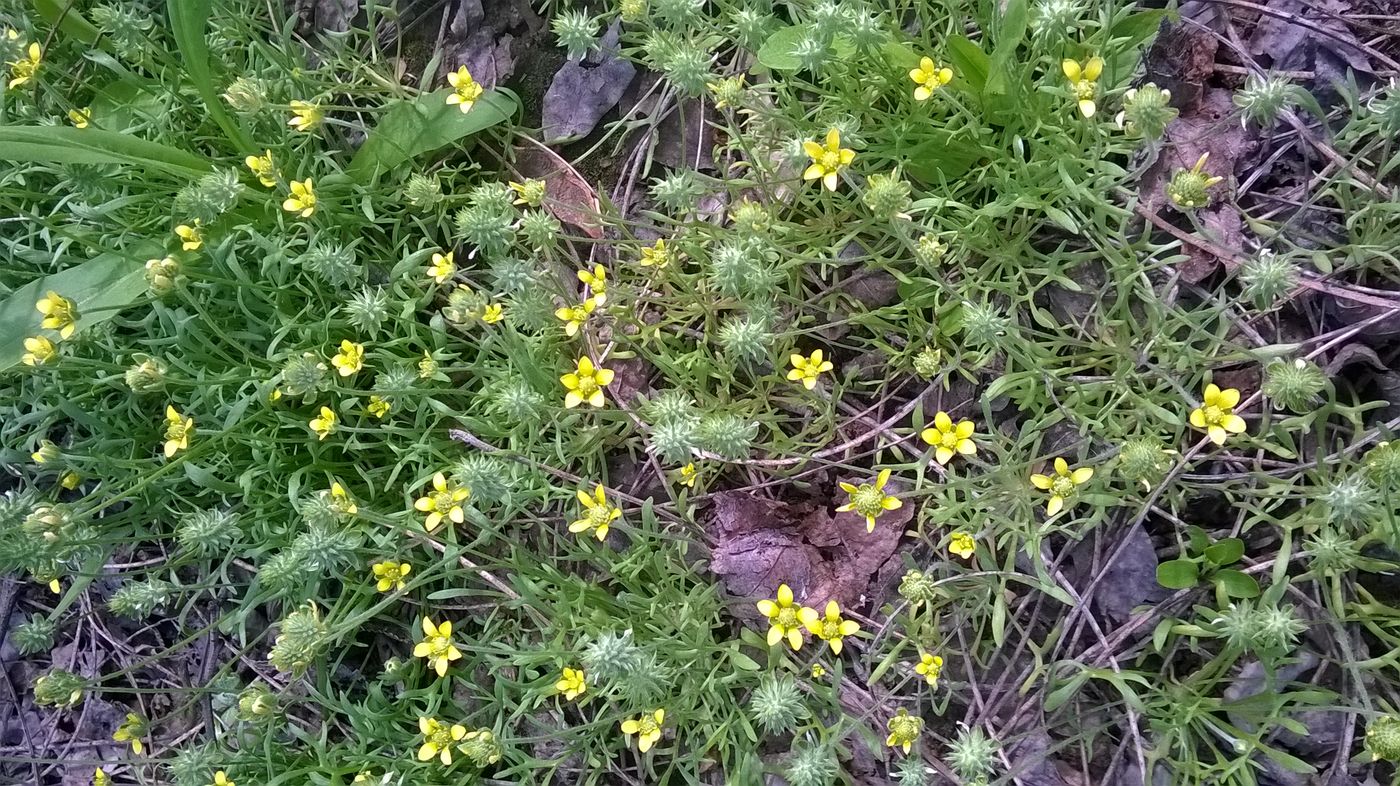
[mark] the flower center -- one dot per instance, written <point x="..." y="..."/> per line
<point x="440" y="737"/>
<point x="831" y="160"/>
<point x="950" y="440"/>
<point x="1083" y="89"/>
<point x="439" y="646"/>
<point x="646" y="726"/>
<point x="587" y="386"/>
<point x="1213" y="414"/>
<point x="867" y="499"/>
<point x="598" y="516"/>
<point x="1062" y="487"/>
<point x="787" y="617"/>
<point x="442" y="500"/>
<point x="831" y="629"/>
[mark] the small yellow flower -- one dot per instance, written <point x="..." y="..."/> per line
<point x="949" y="440"/>
<point x="962" y="544"/>
<point x="727" y="92"/>
<point x="808" y="369"/>
<point x="870" y="499"/>
<point x="70" y="480"/>
<point x="222" y="779"/>
<point x="442" y="268"/>
<point x="828" y="161"/>
<point x="444" y="501"/>
<point x="178" y="430"/>
<point x="493" y="313"/>
<point x="597" y="283"/>
<point x="656" y="255"/>
<point x="647" y="727"/>
<point x="1216" y="415"/>
<point x="59" y="313"/>
<point x="831" y="628"/>
<point x="571" y="684"/>
<point x="531" y="192"/>
<point x="573" y="317"/>
<point x="929" y="77"/>
<point x="350" y="359"/>
<point x="427" y="366"/>
<point x="323" y="424"/>
<point x="80" y="118"/>
<point x="904" y="730"/>
<point x="263" y="168"/>
<point x="302" y="199"/>
<point x="99" y="778"/>
<point x="437" y="648"/>
<point x="586" y="384"/>
<point x="306" y="116"/>
<point x="1063" y="485"/>
<point x="438" y="738"/>
<point x="47" y="452"/>
<point x="38" y="350"/>
<point x="1083" y="82"/>
<point x="191" y="237"/>
<point x="688" y="474"/>
<point x="818" y="671"/>
<point x="465" y="90"/>
<point x="784" y="618"/>
<point x="598" y="514"/>
<point x="132" y="730"/>
<point x="24" y="69"/>
<point x="377" y="407"/>
<point x="341" y="501"/>
<point x="390" y="575"/>
<point x="930" y="667"/>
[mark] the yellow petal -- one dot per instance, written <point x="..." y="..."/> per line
<point x="833" y="139"/>
<point x="812" y="149"/>
<point x="810" y="618"/>
<point x="1041" y="482"/>
<point x="942" y="455"/>
<point x="775" y="635"/>
<point x="1093" y="69"/>
<point x="1081" y="475"/>
<point x="1061" y="467"/>
<point x="831" y="180"/>
<point x="1056" y="505"/>
<point x="1234" y="424"/>
<point x="794" y="638"/>
<point x="1087" y="107"/>
<point x="784" y="595"/>
<point x="1071" y="69"/>
<point x="922" y="93"/>
<point x="1229" y="398"/>
<point x="767" y="608"/>
<point x="1217" y="434"/>
<point x="813" y="172"/>
<point x="427" y="751"/>
<point x="631" y="726"/>
<point x="1198" y="418"/>
<point x="942" y="422"/>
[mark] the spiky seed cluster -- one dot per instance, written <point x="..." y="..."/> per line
<point x="59" y="688"/>
<point x="208" y="533"/>
<point x="422" y="191"/>
<point x="1331" y="553"/>
<point x="678" y="191"/>
<point x="1383" y="738"/>
<point x="140" y="599"/>
<point x="887" y="196"/>
<point x="1056" y="17"/>
<point x="210" y="196"/>
<point x="1263" y="97"/>
<point x="540" y="229"/>
<point x="577" y="32"/>
<point x="1266" y="277"/>
<point x="34" y="635"/>
<point x="678" y="14"/>
<point x="125" y="26"/>
<point x="612" y="656"/>
<point x="392" y="383"/>
<point x="674" y="424"/>
<point x="333" y="263"/>
<point x="918" y="587"/>
<point x="304" y="375"/>
<point x="751" y="27"/>
<point x="490" y="478"/>
<point x="191" y="764"/>
<point x="811" y="765"/>
<point x="912" y="772"/>
<point x="1295" y="386"/>
<point x="864" y="29"/>
<point x="727" y="435"/>
<point x="518" y="402"/>
<point x="777" y="704"/>
<point x="512" y="274"/>
<point x="983" y="325"/>
<point x="146" y="376"/>
<point x="1264" y="630"/>
<point x="741" y="269"/>
<point x="746" y="338"/>
<point x="367" y="310"/>
<point x="828" y="18"/>
<point x="488" y="225"/>
<point x="688" y="68"/>
<point x="1350" y="501"/>
<point x="1144" y="460"/>
<point x="1385" y="107"/>
<point x="1383" y="465"/>
<point x="1147" y="111"/>
<point x="301" y="638"/>
<point x="973" y="754"/>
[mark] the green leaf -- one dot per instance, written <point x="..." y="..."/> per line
<point x="936" y="154"/>
<point x="1064" y="220"/>
<point x="1177" y="574"/>
<point x="969" y="62"/>
<point x="1137" y="28"/>
<point x="1062" y="693"/>
<point x="1236" y="584"/>
<point x="204" y="478"/>
<point x="1225" y="552"/>
<point x="188" y="19"/>
<point x="70" y="21"/>
<point x="779" y="52"/>
<point x="412" y="127"/>
<point x="743" y="662"/>
<point x="65" y="145"/>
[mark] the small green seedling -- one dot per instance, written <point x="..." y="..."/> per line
<point x="1210" y="561"/>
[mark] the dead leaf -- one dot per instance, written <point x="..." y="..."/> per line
<point x="1182" y="57"/>
<point x="567" y="195"/>
<point x="1128" y="581"/>
<point x="582" y="92"/>
<point x="478" y="38"/>
<point x="1308" y="35"/>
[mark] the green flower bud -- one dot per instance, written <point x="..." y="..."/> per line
<point x="257" y="704"/>
<point x="929" y="251"/>
<point x="246" y="96"/>
<point x="1294" y="386"/>
<point x="928" y="363"/>
<point x="918" y="587"/>
<point x="751" y="218"/>
<point x="1267" y="277"/>
<point x="423" y="191"/>
<point x="304" y="376"/>
<point x="631" y="11"/>
<point x="34" y="635"/>
<point x="147" y="376"/>
<point x="464" y="305"/>
<point x="302" y="638"/>
<point x="1189" y="188"/>
<point x="1383" y="465"/>
<point x="887" y="196"/>
<point x="163" y="276"/>
<point x="59" y="688"/>
<point x="776" y="705"/>
<point x="481" y="748"/>
<point x="1385" y="107"/>
<point x="1147" y="111"/>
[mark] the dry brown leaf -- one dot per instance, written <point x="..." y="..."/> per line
<point x="567" y="195"/>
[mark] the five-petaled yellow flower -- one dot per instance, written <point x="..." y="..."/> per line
<point x="597" y="283"/>
<point x="263" y="168"/>
<point x="306" y="116"/>
<point x="377" y="407"/>
<point x="930" y="667"/>
<point x="1063" y="485"/>
<point x="131" y="730"/>
<point x="948" y="439"/>
<point x="573" y="317"/>
<point x="390" y="574"/>
<point x="302" y="199"/>
<point x="784" y="618"/>
<point x="38" y="350"/>
<point x="493" y="313"/>
<point x="191" y="237"/>
<point x="870" y="499"/>
<point x="571" y="683"/>
<point x="437" y="648"/>
<point x="341" y="501"/>
<point x="24" y="69"/>
<point x="828" y="161"/>
<point x="830" y="627"/>
<point x="1082" y="81"/>
<point x="808" y="369"/>
<point x="442" y="268"/>
<point x="350" y="358"/>
<point x="324" y="423"/>
<point x="465" y="90"/>
<point x="80" y="118"/>
<point x="438" y="739"/>
<point x="178" y="430"/>
<point x="904" y="730"/>
<point x="647" y="727"/>
<point x="59" y="313"/>
<point x="1216" y="415"/>
<point x="586" y="383"/>
<point x="929" y="77"/>
<point x="656" y="255"/>
<point x="962" y="544"/>
<point x="598" y="515"/>
<point x="444" y="501"/>
<point x="688" y="474"/>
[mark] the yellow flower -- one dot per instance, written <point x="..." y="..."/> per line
<point x="929" y="77"/>
<point x="438" y="738"/>
<point x="444" y="501"/>
<point x="80" y="117"/>
<point x="1063" y="485"/>
<point x="341" y="501"/>
<point x="428" y="366"/>
<point x="306" y="116"/>
<point x="47" y="452"/>
<point x="437" y="648"/>
<point x="222" y="779"/>
<point x="377" y="407"/>
<point x="99" y="778"/>
<point x="324" y="423"/>
<point x="597" y="513"/>
<point x="827" y="162"/>
<point x="904" y="730"/>
<point x="962" y="544"/>
<point x="586" y="384"/>
<point x="808" y="369"/>
<point x="59" y="313"/>
<point x="531" y="192"/>
<point x="571" y="684"/>
<point x="132" y="730"/>
<point x="38" y="350"/>
<point x="647" y="727"/>
<point x="191" y="237"/>
<point x="597" y="283"/>
<point x="390" y="574"/>
<point x="870" y="499"/>
<point x="24" y="69"/>
<point x="178" y="430"/>
<point x="947" y="439"/>
<point x="70" y="480"/>
<point x="784" y="618"/>
<point x="493" y="313"/>
<point x="263" y="168"/>
<point x="1082" y="80"/>
<point x="831" y="628"/>
<point x="930" y="667"/>
<point x="1216" y="415"/>
<point x="442" y="267"/>
<point x="350" y="358"/>
<point x="302" y="199"/>
<point x="688" y="475"/>
<point x="727" y="92"/>
<point x="55" y="587"/>
<point x="655" y="255"/>
<point x="573" y="317"/>
<point x="465" y="90"/>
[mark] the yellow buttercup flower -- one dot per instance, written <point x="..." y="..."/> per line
<point x="647" y="727"/>
<point x="442" y="268"/>
<point x="930" y="667"/>
<point x="688" y="474"/>
<point x="962" y="544"/>
<point x="530" y="193"/>
<point x="784" y="618"/>
<point x="263" y="168"/>
<point x="1083" y="82"/>
<point x="830" y="627"/>
<point x="573" y="317"/>
<point x="597" y="283"/>
<point x="80" y="118"/>
<point x="47" y="452"/>
<point x="38" y="350"/>
<point x="493" y="313"/>
<point x="390" y="575"/>
<point x="341" y="501"/>
<point x="437" y="648"/>
<point x="1063" y="485"/>
<point x="444" y="501"/>
<point x="586" y="384"/>
<point x="178" y="430"/>
<point x="904" y="730"/>
<point x="132" y="730"/>
<point x="59" y="313"/>
<point x="870" y="499"/>
<point x="1216" y="415"/>
<point x="24" y="69"/>
<point x="572" y="683"/>
<point x="191" y="237"/>
<point x="808" y="369"/>
<point x="828" y="161"/>
<point x="438" y="739"/>
<point x="222" y="779"/>
<point x="929" y="77"/>
<point x="323" y="424"/>
<point x="949" y="440"/>
<point x="465" y="90"/>
<point x="306" y="116"/>
<point x="302" y="199"/>
<point x="598" y="514"/>
<point x="377" y="407"/>
<point x="70" y="480"/>
<point x="656" y="255"/>
<point x="350" y="359"/>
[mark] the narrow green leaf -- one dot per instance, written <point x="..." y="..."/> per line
<point x="188" y="19"/>
<point x="64" y="145"/>
<point x="65" y="14"/>
<point x="411" y="127"/>
<point x="1136" y="28"/>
